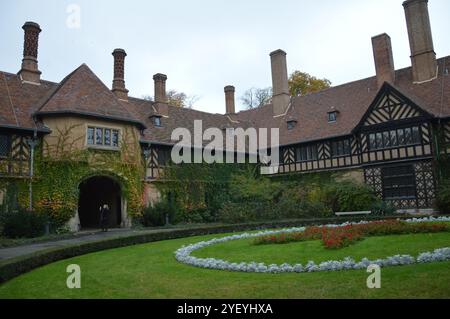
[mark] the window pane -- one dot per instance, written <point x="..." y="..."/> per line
<point x="387" y="139"/>
<point x="347" y="148"/>
<point x="400" y="137"/>
<point x="332" y="117"/>
<point x="393" y="138"/>
<point x="372" y="142"/>
<point x="408" y="136"/>
<point x="340" y="149"/>
<point x="115" y="138"/>
<point x="314" y="152"/>
<point x="416" y="135"/>
<point x="379" y="140"/>
<point x="99" y="136"/>
<point x="107" y="136"/>
<point x="90" y="135"/>
<point x="398" y="182"/>
<point x="4" y="145"/>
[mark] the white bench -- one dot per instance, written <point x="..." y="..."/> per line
<point x="352" y="213"/>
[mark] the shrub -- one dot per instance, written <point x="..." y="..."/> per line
<point x="343" y="196"/>
<point x="443" y="196"/>
<point x="23" y="224"/>
<point x="382" y="208"/>
<point x="236" y="213"/>
<point x="156" y="215"/>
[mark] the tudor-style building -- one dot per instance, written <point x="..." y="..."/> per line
<point x="387" y="130"/>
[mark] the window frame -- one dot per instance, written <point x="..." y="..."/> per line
<point x="398" y="174"/>
<point x="398" y="137"/>
<point x="8" y="145"/>
<point x="103" y="144"/>
<point x="338" y="148"/>
<point x="291" y="125"/>
<point x="332" y="117"/>
<point x="310" y="152"/>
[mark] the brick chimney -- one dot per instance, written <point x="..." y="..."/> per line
<point x="384" y="61"/>
<point x="118" y="85"/>
<point x="29" y="71"/>
<point x="423" y="57"/>
<point x="280" y="97"/>
<point x="229" y="99"/>
<point x="160" y="94"/>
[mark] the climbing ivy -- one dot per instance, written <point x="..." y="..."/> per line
<point x="61" y="167"/>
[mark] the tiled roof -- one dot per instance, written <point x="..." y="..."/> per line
<point x="18" y="101"/>
<point x="352" y="101"/>
<point x="83" y="93"/>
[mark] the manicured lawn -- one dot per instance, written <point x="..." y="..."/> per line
<point x="302" y="252"/>
<point x="151" y="271"/>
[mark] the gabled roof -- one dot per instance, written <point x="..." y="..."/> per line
<point x="352" y="100"/>
<point x="83" y="93"/>
<point x="387" y="89"/>
<point x="18" y="101"/>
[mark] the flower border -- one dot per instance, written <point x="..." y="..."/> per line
<point x="183" y="254"/>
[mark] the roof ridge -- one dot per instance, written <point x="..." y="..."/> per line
<point x="59" y="85"/>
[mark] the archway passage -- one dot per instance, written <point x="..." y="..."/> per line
<point x="94" y="192"/>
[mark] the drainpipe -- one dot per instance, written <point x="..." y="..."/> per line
<point x="32" y="142"/>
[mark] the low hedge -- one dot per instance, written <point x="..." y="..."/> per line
<point x="14" y="267"/>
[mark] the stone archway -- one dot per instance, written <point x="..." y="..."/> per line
<point x="94" y="192"/>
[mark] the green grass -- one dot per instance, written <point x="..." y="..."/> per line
<point x="302" y="252"/>
<point x="151" y="271"/>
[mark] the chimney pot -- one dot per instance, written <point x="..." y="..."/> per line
<point x="160" y="94"/>
<point x="29" y="71"/>
<point x="384" y="61"/>
<point x="118" y="86"/>
<point x="423" y="57"/>
<point x="281" y="97"/>
<point x="229" y="99"/>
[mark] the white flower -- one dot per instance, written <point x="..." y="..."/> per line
<point x="183" y="254"/>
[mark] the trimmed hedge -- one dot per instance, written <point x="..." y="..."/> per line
<point x="14" y="267"/>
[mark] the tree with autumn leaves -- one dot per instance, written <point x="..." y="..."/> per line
<point x="300" y="83"/>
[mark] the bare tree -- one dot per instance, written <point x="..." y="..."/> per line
<point x="255" y="97"/>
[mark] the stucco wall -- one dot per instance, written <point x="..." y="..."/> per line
<point x="73" y="130"/>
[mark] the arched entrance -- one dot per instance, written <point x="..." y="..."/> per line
<point x="94" y="192"/>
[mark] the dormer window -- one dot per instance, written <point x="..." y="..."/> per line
<point x="291" y="123"/>
<point x="332" y="116"/>
<point x="156" y="119"/>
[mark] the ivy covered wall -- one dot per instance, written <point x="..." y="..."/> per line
<point x="60" y="166"/>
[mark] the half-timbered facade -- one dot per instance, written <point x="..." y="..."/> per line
<point x="387" y="130"/>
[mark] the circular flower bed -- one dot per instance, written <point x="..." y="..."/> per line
<point x="184" y="254"/>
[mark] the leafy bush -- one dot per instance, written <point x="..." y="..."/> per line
<point x="443" y="196"/>
<point x="343" y="197"/>
<point x="23" y="224"/>
<point x="156" y="215"/>
<point x="382" y="208"/>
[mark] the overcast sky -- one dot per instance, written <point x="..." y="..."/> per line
<point x="203" y="45"/>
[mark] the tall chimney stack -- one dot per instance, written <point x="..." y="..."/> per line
<point x="229" y="99"/>
<point x="423" y="57"/>
<point x="118" y="85"/>
<point x="280" y="97"/>
<point x="384" y="60"/>
<point x="160" y="94"/>
<point x="29" y="71"/>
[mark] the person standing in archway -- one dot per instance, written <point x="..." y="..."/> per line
<point x="104" y="217"/>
